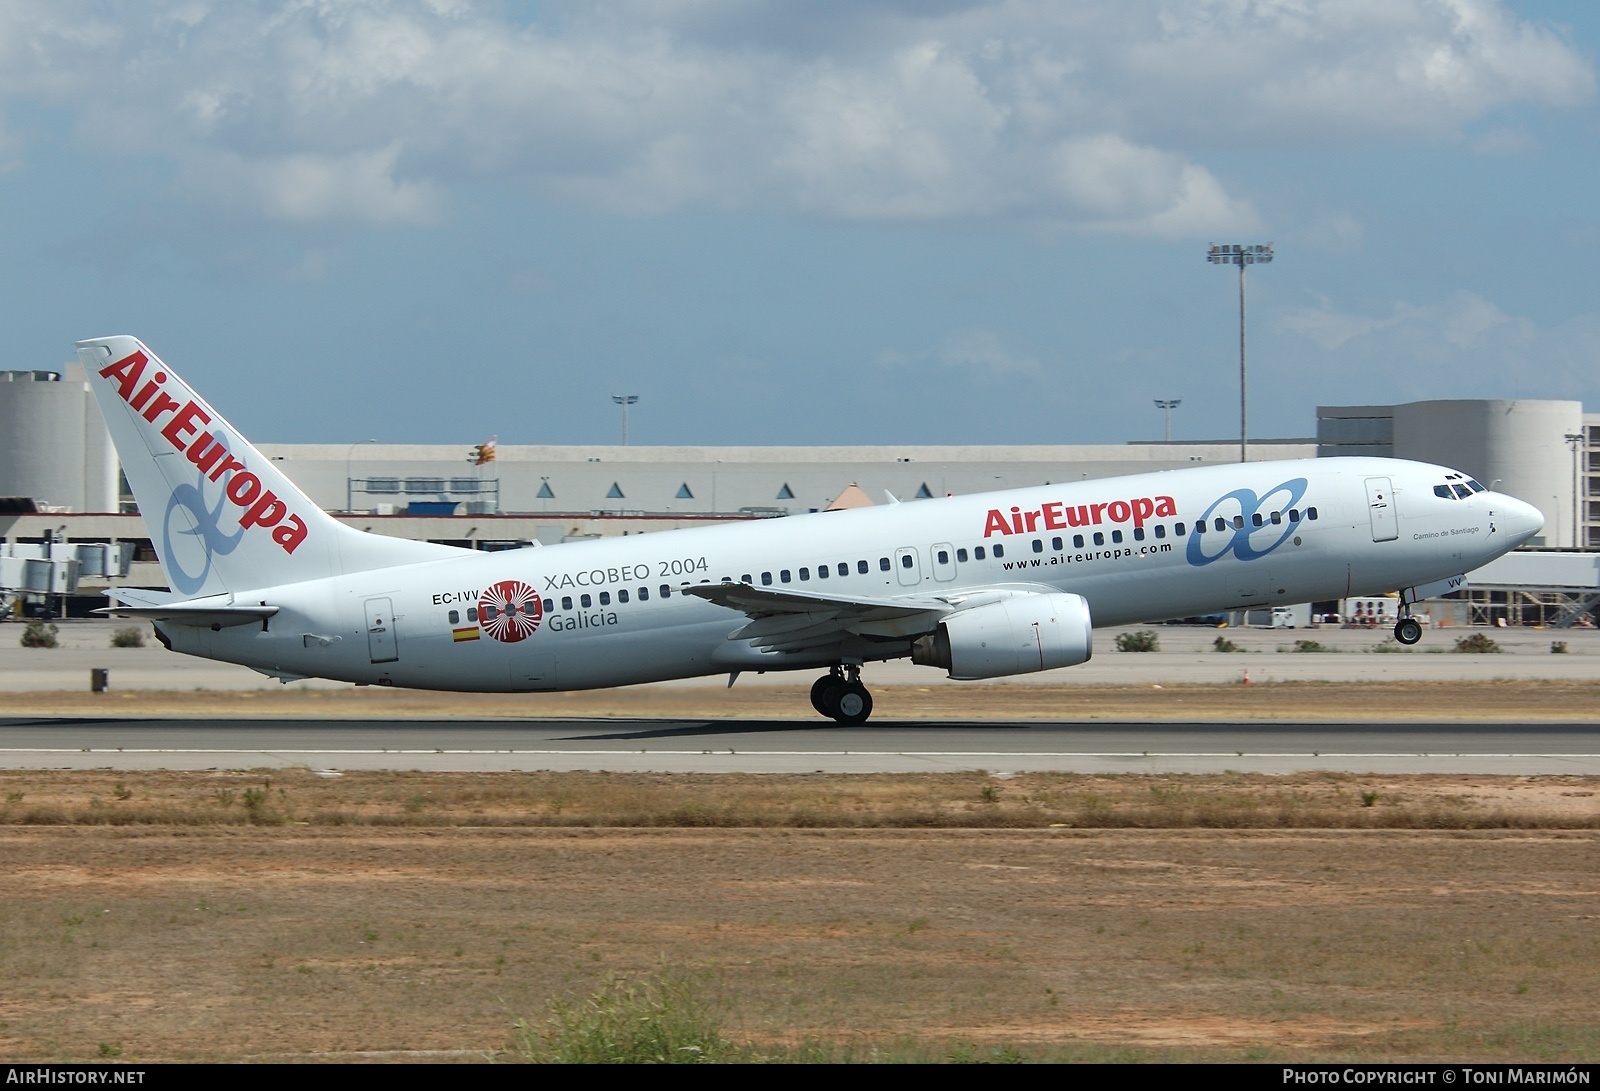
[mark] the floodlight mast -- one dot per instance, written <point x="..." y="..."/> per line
<point x="625" y="400"/>
<point x="1167" y="405"/>
<point x="1234" y="254"/>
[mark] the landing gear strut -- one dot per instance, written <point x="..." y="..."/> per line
<point x="839" y="695"/>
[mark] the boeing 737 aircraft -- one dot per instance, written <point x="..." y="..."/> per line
<point x="981" y="586"/>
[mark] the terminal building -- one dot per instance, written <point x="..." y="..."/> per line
<point x="59" y="482"/>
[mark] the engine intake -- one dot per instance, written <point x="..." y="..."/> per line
<point x="1014" y="636"/>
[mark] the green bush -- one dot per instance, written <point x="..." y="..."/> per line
<point x="1223" y="644"/>
<point x="129" y="637"/>
<point x="1309" y="646"/>
<point x="1142" y="641"/>
<point x="1478" y="643"/>
<point x="1558" y="647"/>
<point x="39" y="634"/>
<point x="657" y="1021"/>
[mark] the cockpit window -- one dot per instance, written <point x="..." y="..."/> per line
<point x="1474" y="486"/>
<point x="1462" y="491"/>
<point x="1442" y="490"/>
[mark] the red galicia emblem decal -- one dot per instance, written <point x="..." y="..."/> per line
<point x="510" y="611"/>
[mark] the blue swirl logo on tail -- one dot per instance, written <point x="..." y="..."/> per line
<point x="206" y="530"/>
<point x="1246" y="541"/>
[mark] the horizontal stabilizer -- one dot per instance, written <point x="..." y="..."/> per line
<point x="204" y="613"/>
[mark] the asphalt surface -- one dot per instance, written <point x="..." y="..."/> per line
<point x="721" y="746"/>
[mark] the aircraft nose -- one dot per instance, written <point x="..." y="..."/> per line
<point x="1518" y="521"/>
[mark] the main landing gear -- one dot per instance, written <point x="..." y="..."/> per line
<point x="839" y="695"/>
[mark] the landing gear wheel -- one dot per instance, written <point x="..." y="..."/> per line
<point x="852" y="704"/>
<point x="825" y="702"/>
<point x="1408" y="630"/>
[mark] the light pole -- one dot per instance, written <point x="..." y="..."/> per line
<point x="1575" y="441"/>
<point x="625" y="400"/>
<point x="349" y="483"/>
<point x="1234" y="254"/>
<point x="1167" y="405"/>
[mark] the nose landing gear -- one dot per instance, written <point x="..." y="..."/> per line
<point x="1408" y="630"/>
<point x="839" y="695"/>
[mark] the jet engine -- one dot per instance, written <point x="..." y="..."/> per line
<point x="1013" y="636"/>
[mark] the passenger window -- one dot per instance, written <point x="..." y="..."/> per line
<point x="490" y="613"/>
<point x="1277" y="517"/>
<point x="1116" y="536"/>
<point x="766" y="579"/>
<point x="905" y="562"/>
<point x="961" y="554"/>
<point x="1255" y="519"/>
<point x="622" y="596"/>
<point x="783" y="575"/>
<point x="666" y="590"/>
<point x="566" y="602"/>
<point x="1177" y="529"/>
<point x="1099" y="538"/>
<point x="1294" y="515"/>
<point x="585" y="601"/>
<point x="644" y="594"/>
<point x="999" y="550"/>
<point x="1055" y="544"/>
<point x="883" y="564"/>
<point x="944" y="556"/>
<point x="472" y="612"/>
<point x="1138" y="534"/>
<point x="1311" y="513"/>
<point x="455" y="617"/>
<point x="977" y="553"/>
<point x="844" y="568"/>
<point x="1222" y="524"/>
<point x="605" y="598"/>
<point x="1077" y="541"/>
<point x="1238" y="522"/>
<point x="1038" y="545"/>
<point x="862" y="567"/>
<point x="549" y="604"/>
<point x="1161" y="530"/>
<point x="822" y="572"/>
<point x="805" y="573"/>
<point x="746" y="579"/>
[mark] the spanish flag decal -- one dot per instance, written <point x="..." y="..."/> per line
<point x="465" y="634"/>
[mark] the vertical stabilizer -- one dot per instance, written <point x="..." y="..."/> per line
<point x="221" y="516"/>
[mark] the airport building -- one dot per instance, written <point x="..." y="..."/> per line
<point x="59" y="482"/>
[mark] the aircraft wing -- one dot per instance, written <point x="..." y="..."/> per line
<point x="791" y="621"/>
<point x="213" y="612"/>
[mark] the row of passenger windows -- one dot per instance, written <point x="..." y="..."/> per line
<point x="862" y="568"/>
<point x="1293" y="515"/>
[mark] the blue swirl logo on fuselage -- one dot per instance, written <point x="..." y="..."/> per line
<point x="206" y="530"/>
<point x="1240" y="536"/>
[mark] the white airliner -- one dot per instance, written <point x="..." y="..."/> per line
<point x="982" y="586"/>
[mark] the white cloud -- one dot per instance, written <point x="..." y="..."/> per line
<point x="1095" y="118"/>
<point x="978" y="351"/>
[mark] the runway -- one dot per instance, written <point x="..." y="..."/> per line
<point x="747" y="746"/>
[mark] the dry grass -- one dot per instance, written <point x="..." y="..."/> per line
<point x="364" y="943"/>
<point x="750" y="801"/>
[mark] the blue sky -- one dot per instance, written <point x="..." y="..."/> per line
<point x="810" y="223"/>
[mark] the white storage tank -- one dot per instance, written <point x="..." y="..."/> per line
<point x="54" y="447"/>
<point x="1514" y="446"/>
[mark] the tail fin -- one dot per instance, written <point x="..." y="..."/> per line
<point x="222" y="517"/>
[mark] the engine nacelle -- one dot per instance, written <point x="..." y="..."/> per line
<point x="1013" y="636"/>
